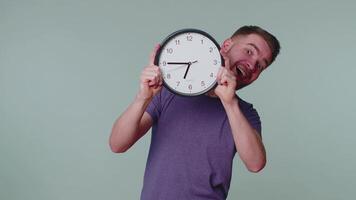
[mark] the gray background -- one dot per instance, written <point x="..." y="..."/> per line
<point x="69" y="68"/>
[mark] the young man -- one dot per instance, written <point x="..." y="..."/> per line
<point x="194" y="139"/>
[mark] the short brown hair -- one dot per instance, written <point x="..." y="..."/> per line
<point x="272" y="41"/>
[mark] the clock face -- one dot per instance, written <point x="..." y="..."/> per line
<point x="189" y="60"/>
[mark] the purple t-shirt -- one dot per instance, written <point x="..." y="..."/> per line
<point x="192" y="148"/>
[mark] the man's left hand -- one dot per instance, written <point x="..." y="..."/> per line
<point x="227" y="82"/>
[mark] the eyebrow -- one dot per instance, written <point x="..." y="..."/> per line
<point x="258" y="50"/>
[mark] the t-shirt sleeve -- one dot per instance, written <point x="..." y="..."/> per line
<point x="251" y="115"/>
<point x="255" y="120"/>
<point x="154" y="107"/>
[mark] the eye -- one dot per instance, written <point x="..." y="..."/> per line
<point x="249" y="52"/>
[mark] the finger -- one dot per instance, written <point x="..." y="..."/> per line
<point x="152" y="83"/>
<point x="151" y="73"/>
<point x="152" y="69"/>
<point x="151" y="80"/>
<point x="157" y="69"/>
<point x="230" y="79"/>
<point x="160" y="80"/>
<point x="230" y="72"/>
<point x="226" y="59"/>
<point x="228" y="75"/>
<point x="223" y="81"/>
<point x="156" y="86"/>
<point x="153" y="54"/>
<point x="148" y="81"/>
<point x="148" y="72"/>
<point x="156" y="79"/>
<point x="220" y="72"/>
<point x="149" y="77"/>
<point x="227" y="63"/>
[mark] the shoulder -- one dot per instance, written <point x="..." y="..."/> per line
<point x="247" y="108"/>
<point x="165" y="95"/>
<point x="244" y="105"/>
<point x="250" y="113"/>
<point x="161" y="98"/>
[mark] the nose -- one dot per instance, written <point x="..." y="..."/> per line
<point x="252" y="64"/>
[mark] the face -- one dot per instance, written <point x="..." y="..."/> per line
<point x="249" y="55"/>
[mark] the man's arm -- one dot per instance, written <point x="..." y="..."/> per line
<point x="130" y="126"/>
<point x="247" y="140"/>
<point x="135" y="122"/>
<point x="248" y="143"/>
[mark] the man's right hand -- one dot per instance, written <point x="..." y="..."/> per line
<point x="151" y="78"/>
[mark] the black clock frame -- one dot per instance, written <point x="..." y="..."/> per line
<point x="170" y="37"/>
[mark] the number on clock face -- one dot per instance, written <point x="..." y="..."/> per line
<point x="189" y="61"/>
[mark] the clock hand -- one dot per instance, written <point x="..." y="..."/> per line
<point x="178" y="63"/>
<point x="181" y="63"/>
<point x="186" y="71"/>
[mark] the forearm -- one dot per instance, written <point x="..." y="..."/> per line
<point x="126" y="128"/>
<point x="247" y="141"/>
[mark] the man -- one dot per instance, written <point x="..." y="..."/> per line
<point x="195" y="139"/>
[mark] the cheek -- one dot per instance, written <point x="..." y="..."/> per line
<point x="235" y="54"/>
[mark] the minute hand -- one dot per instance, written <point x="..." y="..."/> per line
<point x="178" y="63"/>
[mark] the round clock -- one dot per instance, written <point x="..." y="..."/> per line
<point x="189" y="60"/>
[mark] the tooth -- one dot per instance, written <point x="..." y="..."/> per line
<point x="242" y="71"/>
<point x="239" y="69"/>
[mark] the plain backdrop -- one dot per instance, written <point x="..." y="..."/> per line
<point x="69" y="68"/>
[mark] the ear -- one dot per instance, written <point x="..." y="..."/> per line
<point x="226" y="46"/>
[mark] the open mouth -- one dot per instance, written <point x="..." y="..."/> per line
<point x="242" y="72"/>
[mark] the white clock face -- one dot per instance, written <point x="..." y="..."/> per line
<point x="189" y="62"/>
